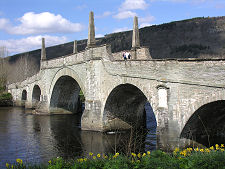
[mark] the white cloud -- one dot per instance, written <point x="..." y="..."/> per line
<point x="133" y="4"/>
<point x="31" y="43"/>
<point x="121" y="29"/>
<point x="105" y="14"/>
<point x="125" y="14"/>
<point x="146" y="21"/>
<point x="145" y="24"/>
<point x="99" y="35"/>
<point x="46" y="22"/>
<point x="148" y="18"/>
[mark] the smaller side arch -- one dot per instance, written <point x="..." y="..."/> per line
<point x="66" y="72"/>
<point x="24" y="95"/>
<point x="36" y="93"/>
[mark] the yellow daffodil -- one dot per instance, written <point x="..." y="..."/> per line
<point x="20" y="161"/>
<point x="211" y="148"/>
<point x="133" y="154"/>
<point x="144" y="154"/>
<point x="139" y="155"/>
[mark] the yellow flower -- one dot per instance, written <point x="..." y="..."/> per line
<point x="7" y="165"/>
<point x="94" y="157"/>
<point x="222" y="145"/>
<point x="148" y="152"/>
<point x="211" y="148"/>
<point x="90" y="154"/>
<point x="11" y="166"/>
<point x="49" y="161"/>
<point x="202" y="150"/>
<point x="133" y="154"/>
<point x="217" y="146"/>
<point x="117" y="154"/>
<point x="144" y="154"/>
<point x="105" y="156"/>
<point x="176" y="149"/>
<point x="222" y="149"/>
<point x="18" y="160"/>
<point x="197" y="149"/>
<point x="207" y="150"/>
<point x="85" y="159"/>
<point x="98" y="155"/>
<point x="139" y="155"/>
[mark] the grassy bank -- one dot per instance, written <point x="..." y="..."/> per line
<point x="213" y="157"/>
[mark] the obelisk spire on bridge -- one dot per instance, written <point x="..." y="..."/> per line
<point x="75" y="46"/>
<point x="135" y="37"/>
<point x="91" y="31"/>
<point x="43" y="51"/>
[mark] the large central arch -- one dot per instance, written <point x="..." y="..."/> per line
<point x="207" y="124"/>
<point x="66" y="96"/>
<point x="125" y="107"/>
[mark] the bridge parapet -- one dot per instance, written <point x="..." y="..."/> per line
<point x="141" y="53"/>
<point x="100" y="52"/>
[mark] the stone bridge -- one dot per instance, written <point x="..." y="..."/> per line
<point x="186" y="96"/>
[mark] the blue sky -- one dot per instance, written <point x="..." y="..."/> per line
<point x="24" y="22"/>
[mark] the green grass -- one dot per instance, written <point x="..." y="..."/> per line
<point x="209" y="158"/>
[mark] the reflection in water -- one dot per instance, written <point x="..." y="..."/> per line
<point x="35" y="138"/>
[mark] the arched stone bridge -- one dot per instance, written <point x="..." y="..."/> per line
<point x="187" y="96"/>
<point x="176" y="89"/>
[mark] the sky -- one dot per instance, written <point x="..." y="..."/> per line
<point x="24" y="22"/>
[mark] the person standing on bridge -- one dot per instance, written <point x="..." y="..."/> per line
<point x="124" y="56"/>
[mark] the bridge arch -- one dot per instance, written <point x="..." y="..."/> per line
<point x="24" y="95"/>
<point x="36" y="93"/>
<point x="125" y="107"/>
<point x="66" y="72"/>
<point x="206" y="122"/>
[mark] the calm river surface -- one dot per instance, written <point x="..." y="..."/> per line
<point x="37" y="139"/>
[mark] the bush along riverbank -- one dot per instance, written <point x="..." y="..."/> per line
<point x="5" y="99"/>
<point x="213" y="157"/>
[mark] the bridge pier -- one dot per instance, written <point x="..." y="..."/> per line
<point x="92" y="118"/>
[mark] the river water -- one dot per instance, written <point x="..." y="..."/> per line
<point x="37" y="139"/>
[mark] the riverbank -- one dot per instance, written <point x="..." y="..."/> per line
<point x="213" y="157"/>
<point x="6" y="99"/>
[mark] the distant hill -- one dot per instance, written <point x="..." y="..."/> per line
<point x="192" y="38"/>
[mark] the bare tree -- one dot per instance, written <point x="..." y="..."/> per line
<point x="3" y="52"/>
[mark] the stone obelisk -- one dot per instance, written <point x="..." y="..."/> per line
<point x="135" y="37"/>
<point x="43" y="52"/>
<point x="91" y="31"/>
<point x="75" y="46"/>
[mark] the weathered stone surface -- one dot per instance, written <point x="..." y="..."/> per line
<point x="190" y="84"/>
<point x="135" y="36"/>
<point x="193" y="38"/>
<point x="43" y="52"/>
<point x="91" y="31"/>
